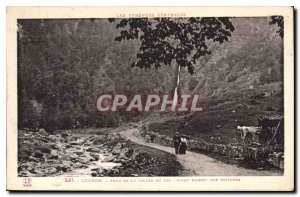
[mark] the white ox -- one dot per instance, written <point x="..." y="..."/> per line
<point x="246" y="129"/>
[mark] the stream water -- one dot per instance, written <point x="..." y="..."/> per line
<point x="94" y="166"/>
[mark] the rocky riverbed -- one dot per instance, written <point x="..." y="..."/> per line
<point x="76" y="153"/>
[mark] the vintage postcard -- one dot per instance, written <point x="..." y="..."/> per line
<point x="150" y="98"/>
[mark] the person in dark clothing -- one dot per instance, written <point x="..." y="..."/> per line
<point x="183" y="146"/>
<point x="152" y="137"/>
<point x="176" y="142"/>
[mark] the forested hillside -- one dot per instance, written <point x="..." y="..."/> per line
<point x="64" y="65"/>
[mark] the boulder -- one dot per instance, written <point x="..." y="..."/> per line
<point x="64" y="135"/>
<point x="79" y="152"/>
<point x="94" y="174"/>
<point x="122" y="156"/>
<point x="45" y="148"/>
<point x="30" y="169"/>
<point x="52" y="138"/>
<point x="95" y="156"/>
<point x="65" y="157"/>
<point x="109" y="158"/>
<point x="29" y="164"/>
<point x="99" y="146"/>
<point x="73" y="156"/>
<point x="78" y="165"/>
<point x="34" y="159"/>
<point x="25" y="173"/>
<point x="51" y="170"/>
<point x="42" y="131"/>
<point x="68" y="146"/>
<point x="115" y="171"/>
<point x="94" y="150"/>
<point x="38" y="172"/>
<point x="88" y="143"/>
<point x="67" y="163"/>
<point x="83" y="160"/>
<point x="116" y="151"/>
<point x="63" y="167"/>
<point x="38" y="154"/>
<point x="54" y="154"/>
<point x="25" y="150"/>
<point x="86" y="160"/>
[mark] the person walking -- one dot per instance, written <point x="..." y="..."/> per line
<point x="176" y="142"/>
<point x="152" y="136"/>
<point x="183" y="146"/>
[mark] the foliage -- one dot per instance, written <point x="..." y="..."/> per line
<point x="64" y="65"/>
<point x="57" y="68"/>
<point x="280" y="23"/>
<point x="166" y="39"/>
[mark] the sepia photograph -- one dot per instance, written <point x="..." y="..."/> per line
<point x="152" y="94"/>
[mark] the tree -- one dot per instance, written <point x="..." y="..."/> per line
<point x="280" y="23"/>
<point x="168" y="40"/>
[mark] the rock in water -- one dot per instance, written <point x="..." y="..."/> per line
<point x="109" y="158"/>
<point x="54" y="154"/>
<point x="95" y="156"/>
<point x="79" y="152"/>
<point x="64" y="135"/>
<point x="94" y="150"/>
<point x="73" y="156"/>
<point x="84" y="160"/>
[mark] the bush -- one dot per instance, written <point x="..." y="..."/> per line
<point x="28" y="115"/>
<point x="67" y="122"/>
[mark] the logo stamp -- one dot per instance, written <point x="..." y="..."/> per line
<point x="27" y="182"/>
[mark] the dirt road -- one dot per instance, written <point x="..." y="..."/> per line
<point x="198" y="164"/>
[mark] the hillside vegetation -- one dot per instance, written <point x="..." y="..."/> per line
<point x="64" y="65"/>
